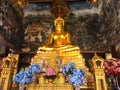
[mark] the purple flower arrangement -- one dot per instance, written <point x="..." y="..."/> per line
<point x="34" y="69"/>
<point x="68" y="69"/>
<point x="25" y="77"/>
<point x="77" y="78"/>
<point x="75" y="75"/>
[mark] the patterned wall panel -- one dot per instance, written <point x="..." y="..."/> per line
<point x="11" y="23"/>
<point x="110" y="22"/>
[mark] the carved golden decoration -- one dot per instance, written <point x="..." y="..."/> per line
<point x="10" y="64"/>
<point x="92" y="2"/>
<point x="108" y="55"/>
<point x="59" y="8"/>
<point x="99" y="74"/>
<point x="50" y="87"/>
<point x="45" y="0"/>
<point x="22" y="3"/>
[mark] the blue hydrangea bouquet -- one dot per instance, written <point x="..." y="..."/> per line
<point x="74" y="75"/>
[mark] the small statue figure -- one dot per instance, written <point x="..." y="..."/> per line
<point x="44" y="65"/>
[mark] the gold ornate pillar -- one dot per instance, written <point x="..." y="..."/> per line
<point x="99" y="74"/>
<point x="9" y="69"/>
<point x="41" y="78"/>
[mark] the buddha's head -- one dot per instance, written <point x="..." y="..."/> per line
<point x="59" y="23"/>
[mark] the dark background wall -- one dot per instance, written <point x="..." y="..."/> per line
<point x="11" y="28"/>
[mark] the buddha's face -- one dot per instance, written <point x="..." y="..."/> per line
<point x="59" y="23"/>
<point x="59" y="28"/>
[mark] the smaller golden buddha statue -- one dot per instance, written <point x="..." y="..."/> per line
<point x="60" y="39"/>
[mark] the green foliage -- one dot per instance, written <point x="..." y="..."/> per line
<point x="50" y="77"/>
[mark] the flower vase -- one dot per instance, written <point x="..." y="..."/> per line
<point x="77" y="87"/>
<point x="21" y="86"/>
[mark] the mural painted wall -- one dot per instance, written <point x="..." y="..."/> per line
<point x="2" y="54"/>
<point x="110" y="23"/>
<point x="2" y="50"/>
<point x="11" y="23"/>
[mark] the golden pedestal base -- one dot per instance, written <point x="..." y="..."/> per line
<point x="50" y="87"/>
<point x="66" y="56"/>
<point x="50" y="58"/>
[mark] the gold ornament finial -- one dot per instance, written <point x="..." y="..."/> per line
<point x="22" y="3"/>
<point x="59" y="8"/>
<point x="96" y="56"/>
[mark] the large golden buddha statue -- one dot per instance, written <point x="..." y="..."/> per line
<point x="59" y="40"/>
<point x="59" y="45"/>
<point x="58" y="50"/>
